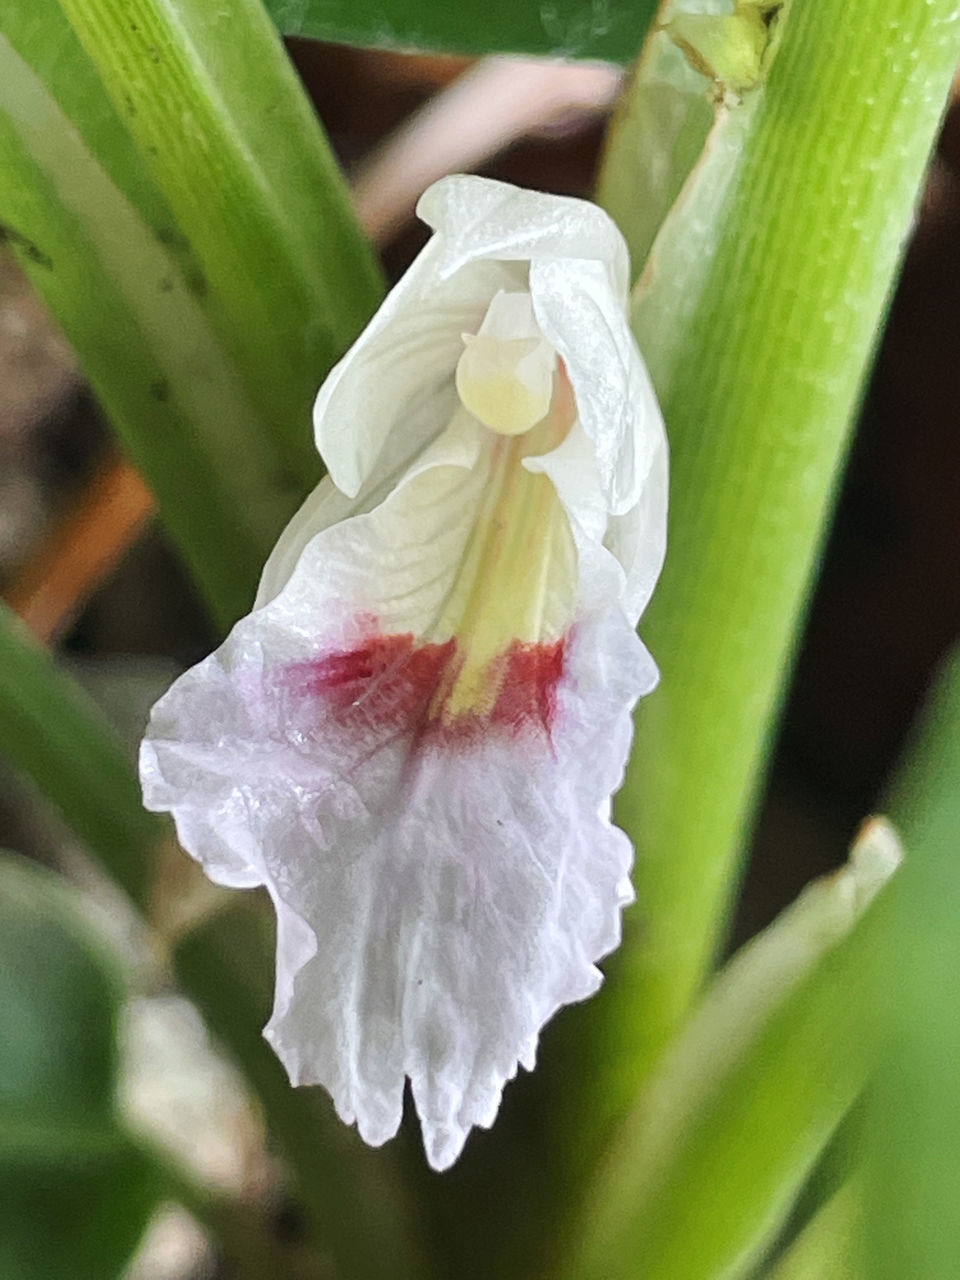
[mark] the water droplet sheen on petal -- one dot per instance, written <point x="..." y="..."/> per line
<point x="413" y="739"/>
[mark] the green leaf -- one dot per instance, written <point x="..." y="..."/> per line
<point x="192" y="237"/>
<point x="739" y="1107"/>
<point x="611" y="30"/>
<point x="828" y="1246"/>
<point x="913" y="1187"/>
<point x="83" y="1224"/>
<point x="58" y="1006"/>
<point x="75" y="1191"/>
<point x="232" y="141"/>
<point x="52" y="731"/>
<point x="757" y="311"/>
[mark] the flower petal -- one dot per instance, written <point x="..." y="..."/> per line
<point x="638" y="538"/>
<point x="466" y="931"/>
<point x="399" y="373"/>
<point x="479" y="219"/>
<point x="441" y="887"/>
<point x="400" y="368"/>
<point x="413" y="740"/>
<point x="327" y="505"/>
<point x="437" y="903"/>
<point x="587" y="325"/>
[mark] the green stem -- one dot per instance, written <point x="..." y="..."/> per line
<point x="758" y="313"/>
<point x="210" y="97"/>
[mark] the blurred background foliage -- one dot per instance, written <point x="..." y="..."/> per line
<point x="166" y="189"/>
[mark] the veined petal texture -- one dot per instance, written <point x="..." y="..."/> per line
<point x="413" y="739"/>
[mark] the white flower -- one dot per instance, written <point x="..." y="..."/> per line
<point x="413" y="739"/>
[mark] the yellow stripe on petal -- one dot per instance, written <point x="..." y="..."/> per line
<point x="517" y="580"/>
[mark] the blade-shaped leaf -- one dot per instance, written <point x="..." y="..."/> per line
<point x="611" y="31"/>
<point x="75" y="1191"/>
<point x="657" y="137"/>
<point x="53" y="732"/>
<point x="828" y="1247"/>
<point x="914" y="1185"/>
<point x="232" y="142"/>
<point x="83" y="1222"/>
<point x="742" y="1102"/>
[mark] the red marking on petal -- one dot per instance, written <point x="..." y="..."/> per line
<point x="390" y="684"/>
<point x="387" y="680"/>
<point x="528" y="685"/>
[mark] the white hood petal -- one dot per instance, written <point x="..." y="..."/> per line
<point x="479" y="219"/>
<point x="398" y="375"/>
<point x="586" y="323"/>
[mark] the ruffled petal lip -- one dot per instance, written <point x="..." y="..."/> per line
<point x="441" y="889"/>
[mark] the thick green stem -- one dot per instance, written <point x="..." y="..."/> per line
<point x="232" y="142"/>
<point x="757" y="312"/>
